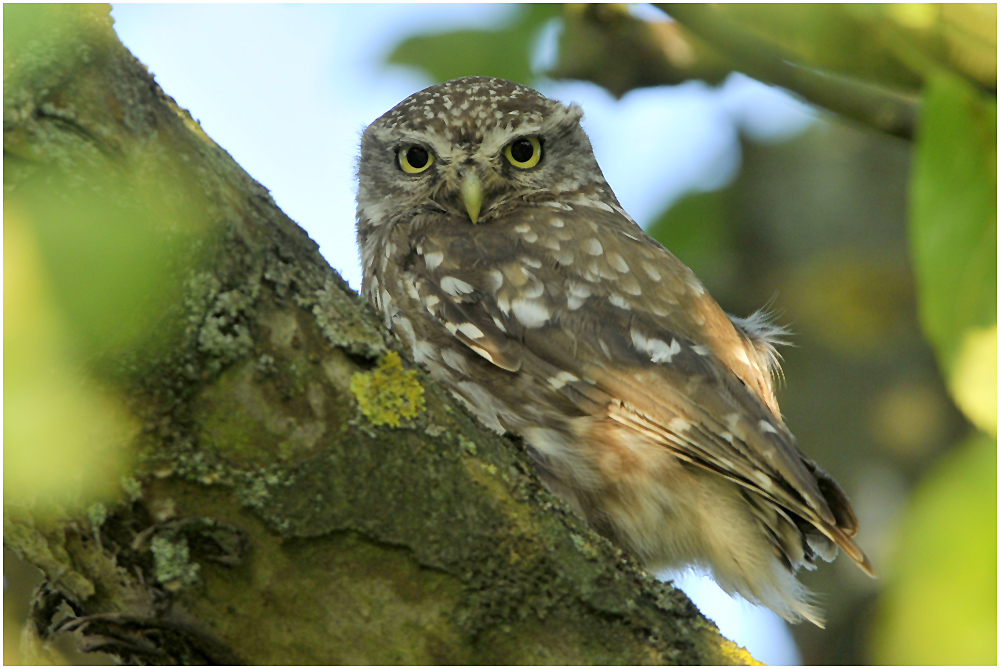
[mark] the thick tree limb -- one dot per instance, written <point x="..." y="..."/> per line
<point x="267" y="518"/>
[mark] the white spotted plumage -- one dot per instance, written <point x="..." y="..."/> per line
<point x="535" y="299"/>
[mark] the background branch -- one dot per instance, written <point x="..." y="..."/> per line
<point x="874" y="106"/>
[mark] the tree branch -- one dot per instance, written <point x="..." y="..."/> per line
<point x="270" y="512"/>
<point x="879" y="108"/>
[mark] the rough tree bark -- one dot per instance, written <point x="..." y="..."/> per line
<point x="295" y="495"/>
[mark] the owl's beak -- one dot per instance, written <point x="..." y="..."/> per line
<point x="472" y="196"/>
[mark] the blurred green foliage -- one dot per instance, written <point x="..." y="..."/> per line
<point x="504" y="53"/>
<point x="98" y="231"/>
<point x="937" y="607"/>
<point x="889" y="66"/>
<point x="953" y="210"/>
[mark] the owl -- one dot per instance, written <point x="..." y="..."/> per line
<point x="497" y="253"/>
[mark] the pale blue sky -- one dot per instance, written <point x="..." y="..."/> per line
<point x="287" y="90"/>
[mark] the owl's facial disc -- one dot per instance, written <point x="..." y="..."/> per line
<point x="474" y="148"/>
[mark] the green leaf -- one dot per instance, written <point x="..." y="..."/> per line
<point x="940" y="604"/>
<point x="953" y="215"/>
<point x="504" y="53"/>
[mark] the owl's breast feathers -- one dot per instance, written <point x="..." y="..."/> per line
<point x="574" y="302"/>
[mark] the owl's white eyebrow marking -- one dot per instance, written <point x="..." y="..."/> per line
<point x="593" y="247"/>
<point x="433" y="259"/>
<point x="530" y="313"/>
<point x="455" y="287"/>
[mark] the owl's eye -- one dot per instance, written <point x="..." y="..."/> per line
<point x="524" y="153"/>
<point x="414" y="159"/>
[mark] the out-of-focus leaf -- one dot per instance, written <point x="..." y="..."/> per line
<point x="696" y="230"/>
<point x="101" y="230"/>
<point x="941" y="605"/>
<point x="970" y="32"/>
<point x="504" y="53"/>
<point x="953" y="215"/>
<point x="962" y="37"/>
<point x="110" y="243"/>
<point x="64" y="436"/>
<point x="974" y="380"/>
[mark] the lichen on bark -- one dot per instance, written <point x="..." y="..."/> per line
<point x="388" y="394"/>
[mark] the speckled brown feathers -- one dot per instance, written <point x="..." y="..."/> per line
<point x="555" y="317"/>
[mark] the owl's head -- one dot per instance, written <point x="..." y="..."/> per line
<point x="473" y="147"/>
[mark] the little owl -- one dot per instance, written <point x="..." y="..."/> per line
<point x="495" y="250"/>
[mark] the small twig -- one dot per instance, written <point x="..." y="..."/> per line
<point x="890" y="112"/>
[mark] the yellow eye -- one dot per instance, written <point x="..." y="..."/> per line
<point x="414" y="159"/>
<point x="524" y="153"/>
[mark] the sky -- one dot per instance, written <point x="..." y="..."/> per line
<point x="288" y="89"/>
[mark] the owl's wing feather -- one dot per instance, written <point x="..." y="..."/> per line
<point x="651" y="351"/>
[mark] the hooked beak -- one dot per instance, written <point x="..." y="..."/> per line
<point x="472" y="196"/>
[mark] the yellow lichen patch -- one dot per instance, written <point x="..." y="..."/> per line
<point x="388" y="394"/>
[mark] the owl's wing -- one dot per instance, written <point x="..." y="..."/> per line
<point x="619" y="327"/>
